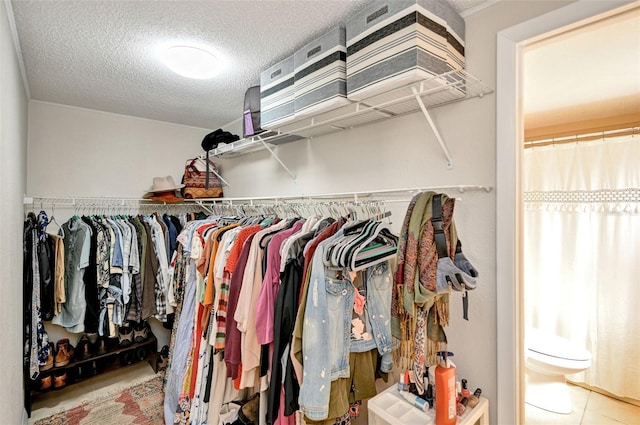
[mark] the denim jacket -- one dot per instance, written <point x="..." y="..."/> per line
<point x="327" y="337"/>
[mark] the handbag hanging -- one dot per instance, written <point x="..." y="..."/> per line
<point x="201" y="179"/>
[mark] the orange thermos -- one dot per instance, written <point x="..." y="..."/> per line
<point x="445" y="377"/>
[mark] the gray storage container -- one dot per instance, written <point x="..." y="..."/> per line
<point x="277" y="94"/>
<point x="393" y="43"/>
<point x="320" y="74"/>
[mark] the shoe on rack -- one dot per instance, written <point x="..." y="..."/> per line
<point x="125" y="336"/>
<point x="79" y="372"/>
<point x="64" y="352"/>
<point x="141" y="331"/>
<point x="92" y="337"/>
<point x="128" y="357"/>
<point x="83" y="348"/>
<point x="45" y="383"/>
<point x="141" y="353"/>
<point x="60" y="379"/>
<point x="94" y="368"/>
<point x="49" y="362"/>
<point x="102" y="346"/>
<point x="163" y="358"/>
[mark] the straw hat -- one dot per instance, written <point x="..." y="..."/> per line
<point x="163" y="189"/>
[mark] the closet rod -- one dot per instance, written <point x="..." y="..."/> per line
<point x="342" y="195"/>
<point x="117" y="201"/>
<point x="103" y="202"/>
<point x="77" y="200"/>
<point x="583" y="137"/>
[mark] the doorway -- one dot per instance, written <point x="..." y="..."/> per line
<point x="509" y="196"/>
<point x="581" y="222"/>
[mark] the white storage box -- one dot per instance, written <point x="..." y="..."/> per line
<point x="389" y="408"/>
<point x="320" y="74"/>
<point x="277" y="94"/>
<point x="393" y="43"/>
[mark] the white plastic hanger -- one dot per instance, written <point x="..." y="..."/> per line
<point x="52" y="219"/>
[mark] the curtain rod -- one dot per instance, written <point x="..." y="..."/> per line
<point x="584" y="137"/>
<point x="124" y="201"/>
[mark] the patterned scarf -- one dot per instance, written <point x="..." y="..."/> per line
<point x="420" y="313"/>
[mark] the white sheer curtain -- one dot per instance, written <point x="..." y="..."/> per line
<point x="582" y="253"/>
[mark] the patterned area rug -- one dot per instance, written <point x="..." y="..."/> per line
<point x="140" y="404"/>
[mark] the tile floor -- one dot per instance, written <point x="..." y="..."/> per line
<point x="71" y="396"/>
<point x="589" y="408"/>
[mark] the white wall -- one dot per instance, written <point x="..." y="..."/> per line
<point x="13" y="158"/>
<point x="82" y="152"/>
<point x="83" y="146"/>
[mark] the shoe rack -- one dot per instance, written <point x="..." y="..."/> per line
<point x="80" y="369"/>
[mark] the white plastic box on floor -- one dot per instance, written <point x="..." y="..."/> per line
<point x="321" y="73"/>
<point x="393" y="43"/>
<point x="277" y="94"/>
<point x="390" y="408"/>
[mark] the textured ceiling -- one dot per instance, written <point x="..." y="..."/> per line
<point x="104" y="54"/>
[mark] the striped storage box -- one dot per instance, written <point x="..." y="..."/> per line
<point x="320" y="74"/>
<point x="393" y="43"/>
<point x="277" y="94"/>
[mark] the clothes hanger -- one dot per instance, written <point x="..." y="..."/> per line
<point x="330" y="258"/>
<point x="52" y="219"/>
<point x="335" y="249"/>
<point x="370" y="229"/>
<point x="365" y="232"/>
<point x="384" y="242"/>
<point x="76" y="210"/>
<point x="382" y="234"/>
<point x="337" y="258"/>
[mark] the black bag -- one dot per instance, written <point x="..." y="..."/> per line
<point x="211" y="140"/>
<point x="251" y="116"/>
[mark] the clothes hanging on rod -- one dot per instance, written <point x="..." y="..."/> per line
<point x="35" y="338"/>
<point x="238" y="284"/>
<point x="246" y="281"/>
<point x="98" y="275"/>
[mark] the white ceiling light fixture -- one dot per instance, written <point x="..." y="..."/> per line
<point x="191" y="62"/>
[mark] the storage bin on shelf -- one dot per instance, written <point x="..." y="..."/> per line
<point x="320" y="74"/>
<point x="277" y="94"/>
<point x="391" y="44"/>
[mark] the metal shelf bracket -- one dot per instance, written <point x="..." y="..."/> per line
<point x="434" y="129"/>
<point x="293" y="176"/>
